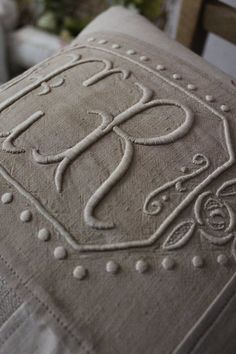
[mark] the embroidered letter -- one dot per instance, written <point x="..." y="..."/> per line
<point x="108" y="70"/>
<point x="108" y="124"/>
<point x="8" y="145"/>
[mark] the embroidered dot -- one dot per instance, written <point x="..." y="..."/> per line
<point x="224" y="108"/>
<point x="26" y="216"/>
<point x="177" y="77"/>
<point x="60" y="252"/>
<point x="144" y="58"/>
<point x="197" y="262"/>
<point x="160" y="67"/>
<point x="115" y="46"/>
<point x="184" y="169"/>
<point x="44" y="235"/>
<point x="112" y="267"/>
<point x="131" y="52"/>
<point x="209" y="98"/>
<point x="165" y="198"/>
<point x="191" y="87"/>
<point x="168" y="263"/>
<point x="7" y="198"/>
<point x="141" y="266"/>
<point x="80" y="272"/>
<point x="91" y="39"/>
<point x="222" y="259"/>
<point x="102" y="41"/>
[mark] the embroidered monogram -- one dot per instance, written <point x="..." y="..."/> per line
<point x="108" y="124"/>
<point x="131" y="98"/>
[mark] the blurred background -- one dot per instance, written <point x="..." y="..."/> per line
<point x="32" y="30"/>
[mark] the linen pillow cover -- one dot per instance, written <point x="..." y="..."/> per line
<point x="118" y="197"/>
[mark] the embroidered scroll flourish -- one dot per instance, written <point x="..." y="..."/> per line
<point x="47" y="87"/>
<point x="75" y="60"/>
<point x="10" y="136"/>
<point x="153" y="205"/>
<point x="214" y="218"/>
<point x="108" y="124"/>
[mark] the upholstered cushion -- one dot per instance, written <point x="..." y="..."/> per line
<point x="118" y="196"/>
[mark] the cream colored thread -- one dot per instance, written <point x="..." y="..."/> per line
<point x="231" y="218"/>
<point x="233" y="248"/>
<point x="102" y="41"/>
<point x="176" y="182"/>
<point x="7" y="198"/>
<point x="112" y="267"/>
<point x="80" y="272"/>
<point x="225" y="185"/>
<point x="141" y="266"/>
<point x="217" y="240"/>
<point x="8" y="145"/>
<point x="60" y="253"/>
<point x="59" y="82"/>
<point x="158" y="74"/>
<point x="131" y="52"/>
<point x="45" y="89"/>
<point x="222" y="259"/>
<point x="115" y="46"/>
<point x="109" y="124"/>
<point x="169" y="245"/>
<point x="160" y="67"/>
<point x="191" y="87"/>
<point x="34" y="69"/>
<point x="91" y="39"/>
<point x="26" y="216"/>
<point x="176" y="211"/>
<point x="48" y="86"/>
<point x="61" y="229"/>
<point x="44" y="235"/>
<point x="106" y="187"/>
<point x="108" y="70"/>
<point x="41" y="209"/>
<point x="74" y="61"/>
<point x="224" y="108"/>
<point x="168" y="263"/>
<point x="197" y="262"/>
<point x="168" y="138"/>
<point x="197" y="206"/>
<point x="197" y="210"/>
<point x="171" y="217"/>
<point x="210" y="98"/>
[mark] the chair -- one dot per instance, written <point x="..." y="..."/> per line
<point x="199" y="17"/>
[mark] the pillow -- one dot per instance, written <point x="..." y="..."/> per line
<point x="118" y="197"/>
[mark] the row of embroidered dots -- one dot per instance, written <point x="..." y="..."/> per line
<point x="141" y="266"/>
<point x="143" y="58"/>
<point x="79" y="272"/>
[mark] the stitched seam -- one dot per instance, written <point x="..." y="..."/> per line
<point x="19" y="323"/>
<point x="212" y="324"/>
<point x="47" y="308"/>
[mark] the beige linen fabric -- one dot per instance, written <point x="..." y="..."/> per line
<point x="118" y="193"/>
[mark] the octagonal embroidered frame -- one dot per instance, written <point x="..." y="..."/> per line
<point x="146" y="95"/>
